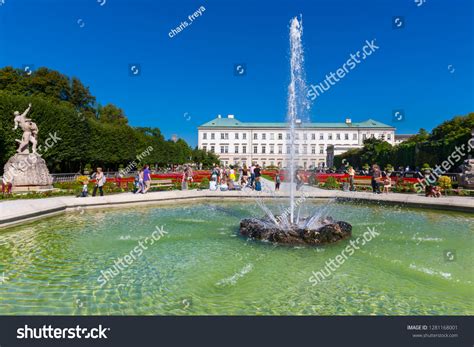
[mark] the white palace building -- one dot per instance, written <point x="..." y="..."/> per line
<point x="237" y="142"/>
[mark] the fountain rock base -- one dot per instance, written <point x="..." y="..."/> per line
<point x="327" y="231"/>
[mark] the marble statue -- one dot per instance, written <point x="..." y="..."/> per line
<point x="26" y="170"/>
<point x="30" y="131"/>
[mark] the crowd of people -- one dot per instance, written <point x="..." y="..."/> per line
<point x="239" y="177"/>
<point x="236" y="178"/>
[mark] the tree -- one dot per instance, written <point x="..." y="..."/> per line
<point x="111" y="114"/>
<point x="89" y="133"/>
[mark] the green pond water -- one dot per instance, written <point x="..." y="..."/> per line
<point x="202" y="266"/>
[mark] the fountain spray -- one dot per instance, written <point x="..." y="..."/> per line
<point x="297" y="101"/>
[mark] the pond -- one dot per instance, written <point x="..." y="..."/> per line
<point x="194" y="262"/>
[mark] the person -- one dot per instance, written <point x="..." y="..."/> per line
<point x="136" y="182"/>
<point x="146" y="178"/>
<point x="299" y="180"/>
<point x="190" y="174"/>
<point x="258" y="184"/>
<point x="277" y="181"/>
<point x="85" y="190"/>
<point x="220" y="175"/>
<point x="213" y="182"/>
<point x="351" y="173"/>
<point x="407" y="168"/>
<point x="232" y="173"/>
<point x="99" y="182"/>
<point x="387" y="184"/>
<point x="224" y="186"/>
<point x="141" y="184"/>
<point x="244" y="176"/>
<point x="230" y="184"/>
<point x="6" y="185"/>
<point x="184" y="179"/>
<point x="214" y="174"/>
<point x="257" y="172"/>
<point x="376" y="175"/>
<point x="432" y="191"/>
<point x="252" y="176"/>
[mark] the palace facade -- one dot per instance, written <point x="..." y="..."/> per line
<point x="267" y="144"/>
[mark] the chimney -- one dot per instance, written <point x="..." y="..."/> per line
<point x="348" y="121"/>
<point x="231" y="116"/>
<point x="298" y="121"/>
<point x="219" y="116"/>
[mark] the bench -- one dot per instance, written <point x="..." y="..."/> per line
<point x="161" y="183"/>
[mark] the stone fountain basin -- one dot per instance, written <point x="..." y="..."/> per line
<point x="329" y="231"/>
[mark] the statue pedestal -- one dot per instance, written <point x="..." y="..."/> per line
<point x="28" y="172"/>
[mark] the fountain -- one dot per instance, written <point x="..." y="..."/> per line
<point x="286" y="227"/>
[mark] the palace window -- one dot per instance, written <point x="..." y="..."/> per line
<point x="255" y="136"/>
<point x="338" y="136"/>
<point x="346" y="136"/>
<point x="280" y="136"/>
<point x="263" y="149"/>
<point x="213" y="149"/>
<point x="313" y="136"/>
<point x="272" y="149"/>
<point x="321" y="136"/>
<point x="244" y="136"/>
<point x="236" y="136"/>
<point x="264" y="136"/>
<point x="244" y="149"/>
<point x="204" y="136"/>
<point x="236" y="149"/>
<point x="313" y="149"/>
<point x="255" y="151"/>
<point x="272" y="136"/>
<point x="354" y="136"/>
<point x="213" y="136"/>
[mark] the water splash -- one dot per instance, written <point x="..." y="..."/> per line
<point x="298" y="106"/>
<point x="297" y="101"/>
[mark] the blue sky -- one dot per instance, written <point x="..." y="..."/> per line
<point x="424" y="68"/>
